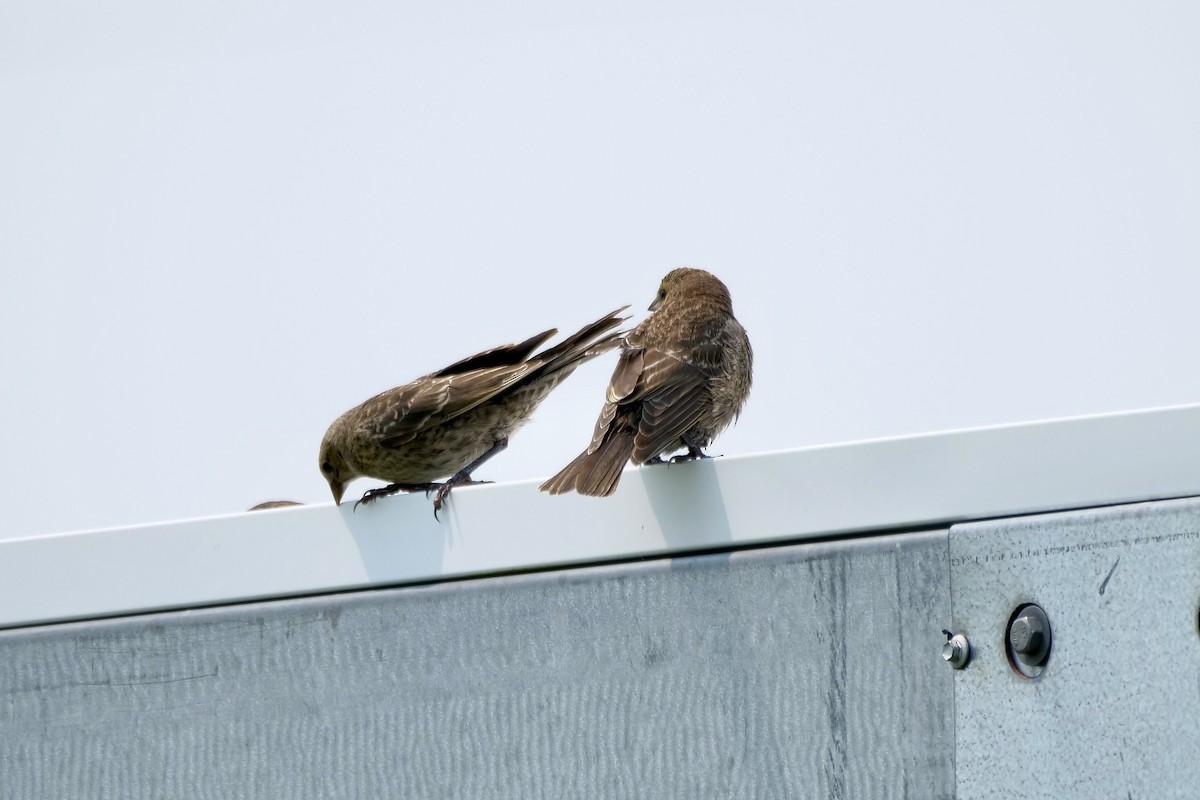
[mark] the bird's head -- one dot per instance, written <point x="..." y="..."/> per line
<point x="334" y="467"/>
<point x="688" y="282"/>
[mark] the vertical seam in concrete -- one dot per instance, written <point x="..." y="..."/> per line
<point x="954" y="679"/>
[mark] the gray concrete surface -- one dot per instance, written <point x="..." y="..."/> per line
<point x="807" y="671"/>
<point x="1115" y="713"/>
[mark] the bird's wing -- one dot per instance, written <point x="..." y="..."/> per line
<point x="666" y="393"/>
<point x="408" y="410"/>
<point x="441" y="396"/>
<point x="674" y="396"/>
<point x="627" y="375"/>
<point x="624" y="381"/>
<point x="505" y="355"/>
<point x="675" y="391"/>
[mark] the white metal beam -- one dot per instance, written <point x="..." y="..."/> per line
<point x="914" y="481"/>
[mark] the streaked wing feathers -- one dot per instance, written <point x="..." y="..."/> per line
<point x="670" y="410"/>
<point x="435" y="399"/>
<point x="398" y="416"/>
<point x="505" y="355"/>
<point x="626" y="376"/>
<point x="671" y="393"/>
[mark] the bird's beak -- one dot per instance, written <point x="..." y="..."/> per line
<point x="338" y="488"/>
<point x="654" y="306"/>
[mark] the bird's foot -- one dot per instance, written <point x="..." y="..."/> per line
<point x="693" y="454"/>
<point x="443" y="490"/>
<point x="383" y="491"/>
<point x="463" y="476"/>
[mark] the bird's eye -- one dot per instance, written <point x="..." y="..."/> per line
<point x="327" y="468"/>
<point x="662" y="293"/>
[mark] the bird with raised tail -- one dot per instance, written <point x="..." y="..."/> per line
<point x="683" y="376"/>
<point x="451" y="421"/>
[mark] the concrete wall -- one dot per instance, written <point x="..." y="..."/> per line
<point x="798" y="671"/>
<point x="1116" y="711"/>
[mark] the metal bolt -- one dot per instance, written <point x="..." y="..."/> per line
<point x="1029" y="635"/>
<point x="957" y="650"/>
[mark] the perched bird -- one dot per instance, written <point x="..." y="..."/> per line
<point x="275" y="504"/>
<point x="682" y="378"/>
<point x="451" y="421"/>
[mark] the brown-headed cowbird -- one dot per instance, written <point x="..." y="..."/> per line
<point x="451" y="421"/>
<point x="275" y="504"/>
<point x="682" y="378"/>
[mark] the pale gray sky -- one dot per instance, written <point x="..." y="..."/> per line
<point x="223" y="224"/>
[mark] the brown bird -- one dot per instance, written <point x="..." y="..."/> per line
<point x="682" y="378"/>
<point x="275" y="504"/>
<point x="451" y="421"/>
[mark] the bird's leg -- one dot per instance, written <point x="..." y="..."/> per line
<point x="463" y="476"/>
<point x="384" y="491"/>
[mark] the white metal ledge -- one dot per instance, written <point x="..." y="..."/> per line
<point x="907" y="482"/>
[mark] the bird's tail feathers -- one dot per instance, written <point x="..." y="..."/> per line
<point x="501" y="356"/>
<point x="590" y="341"/>
<point x="595" y="473"/>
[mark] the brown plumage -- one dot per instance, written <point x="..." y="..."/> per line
<point x="449" y="422"/>
<point x="275" y="504"/>
<point x="682" y="378"/>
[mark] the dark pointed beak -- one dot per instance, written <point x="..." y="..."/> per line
<point x="338" y="488"/>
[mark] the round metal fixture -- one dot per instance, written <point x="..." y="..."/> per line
<point x="957" y="650"/>
<point x="1027" y="641"/>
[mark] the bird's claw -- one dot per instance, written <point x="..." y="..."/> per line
<point x="444" y="491"/>
<point x="370" y="495"/>
<point x="693" y="454"/>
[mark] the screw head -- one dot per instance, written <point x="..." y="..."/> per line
<point x="1026" y="634"/>
<point x="956" y="651"/>
<point x="1029" y="636"/>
